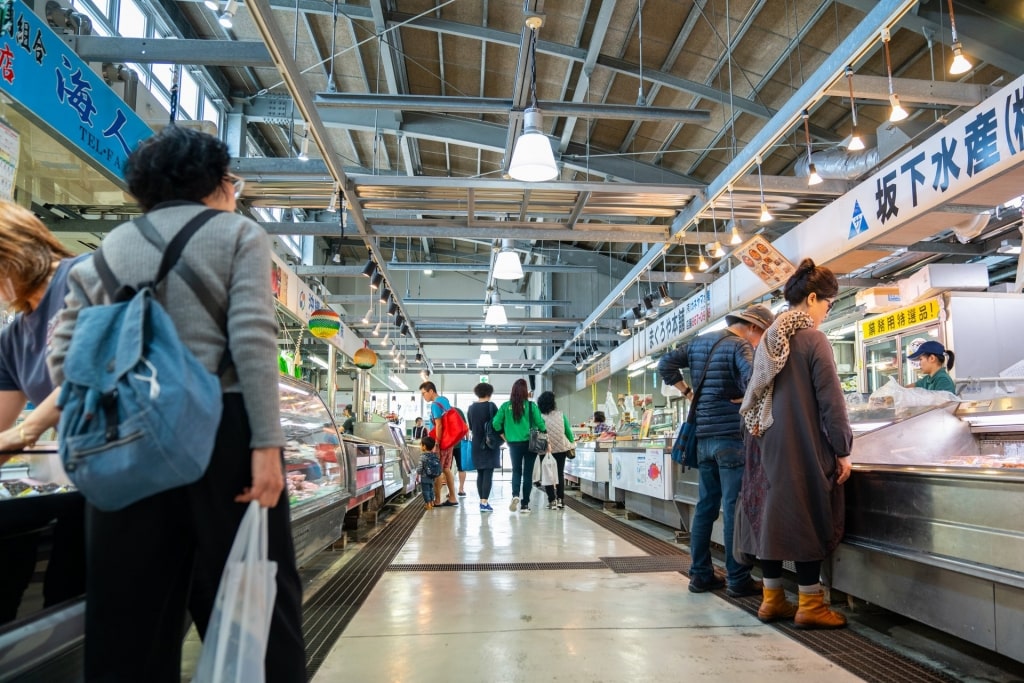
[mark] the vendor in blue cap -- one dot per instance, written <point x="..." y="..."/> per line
<point x="932" y="359"/>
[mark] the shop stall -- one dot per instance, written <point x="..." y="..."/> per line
<point x="592" y="468"/>
<point x="400" y="462"/>
<point x="934" y="529"/>
<point x="643" y="470"/>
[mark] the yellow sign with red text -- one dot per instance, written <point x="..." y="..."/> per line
<point x="900" y="319"/>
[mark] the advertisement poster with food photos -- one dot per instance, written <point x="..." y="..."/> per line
<point x="766" y="261"/>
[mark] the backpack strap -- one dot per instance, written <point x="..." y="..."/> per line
<point x="215" y="311"/>
<point x="110" y="282"/>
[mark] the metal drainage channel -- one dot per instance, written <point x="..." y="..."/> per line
<point x="328" y="613"/>
<point x="497" y="567"/>
<point x="845" y="648"/>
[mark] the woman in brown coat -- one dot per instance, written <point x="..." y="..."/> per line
<point x="798" y="448"/>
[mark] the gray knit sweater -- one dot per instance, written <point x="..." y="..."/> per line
<point x="231" y="256"/>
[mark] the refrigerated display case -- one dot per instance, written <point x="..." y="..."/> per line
<point x="592" y="469"/>
<point x="399" y="463"/>
<point x="318" y="473"/>
<point x="934" y="529"/>
<point x="643" y="470"/>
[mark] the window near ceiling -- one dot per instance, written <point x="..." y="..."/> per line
<point x="188" y="96"/>
<point x="131" y="20"/>
<point x="164" y="75"/>
<point x="211" y="112"/>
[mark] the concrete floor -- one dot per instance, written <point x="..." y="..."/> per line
<point x="558" y="625"/>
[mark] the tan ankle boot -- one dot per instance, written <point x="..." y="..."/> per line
<point x="774" y="606"/>
<point x="813" y="613"/>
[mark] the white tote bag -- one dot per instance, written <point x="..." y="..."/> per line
<point x="236" y="641"/>
<point x="548" y="471"/>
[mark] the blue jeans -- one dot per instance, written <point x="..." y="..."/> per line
<point x="522" y="469"/>
<point x="720" y="464"/>
<point x="428" y="489"/>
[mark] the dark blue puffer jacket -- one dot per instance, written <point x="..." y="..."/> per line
<point x="727" y="376"/>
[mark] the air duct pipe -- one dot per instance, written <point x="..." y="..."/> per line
<point x="121" y="72"/>
<point x="839" y="164"/>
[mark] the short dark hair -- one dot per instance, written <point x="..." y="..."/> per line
<point x="810" y="279"/>
<point x="598" y="416"/>
<point x="427" y="442"/>
<point x="428" y="386"/>
<point x="483" y="390"/>
<point x="348" y="407"/>
<point x="546" y="402"/>
<point x="419" y="419"/>
<point x="177" y="163"/>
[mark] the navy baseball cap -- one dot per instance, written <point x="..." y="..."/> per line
<point x="929" y="347"/>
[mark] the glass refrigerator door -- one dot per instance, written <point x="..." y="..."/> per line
<point x="881" y="363"/>
<point x="314" y="458"/>
<point x="909" y="342"/>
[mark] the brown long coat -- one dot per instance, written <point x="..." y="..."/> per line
<point x="790" y="507"/>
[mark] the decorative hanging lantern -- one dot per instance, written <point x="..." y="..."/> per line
<point x="324" y="323"/>
<point x="365" y="358"/>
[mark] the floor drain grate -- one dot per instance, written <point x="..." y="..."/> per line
<point x="845" y="648"/>
<point x="647" y="563"/>
<point x="326" y="614"/>
<point x="497" y="567"/>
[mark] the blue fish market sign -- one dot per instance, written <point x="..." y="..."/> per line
<point x="46" y="78"/>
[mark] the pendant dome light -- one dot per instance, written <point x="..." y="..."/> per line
<point x="961" y="64"/>
<point x="495" y="312"/>
<point x="532" y="158"/>
<point x="506" y="263"/>
<point x="898" y="113"/>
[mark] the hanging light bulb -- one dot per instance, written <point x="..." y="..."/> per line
<point x="485" y="361"/>
<point x="375" y="281"/>
<point x="304" y="148"/>
<point x="490" y="344"/>
<point x="506" y="263"/>
<point x="765" y="215"/>
<point x="495" y="312"/>
<point x="367" y="316"/>
<point x="855" y="144"/>
<point x="212" y="5"/>
<point x="688" y="274"/>
<point x="665" y="300"/>
<point x="961" y="64"/>
<point x="625" y="331"/>
<point x="812" y="173"/>
<point x="638" y="317"/>
<point x="370" y="268"/>
<point x="735" y="237"/>
<point x="702" y="265"/>
<point x="650" y="310"/>
<point x="717" y="250"/>
<point x="385" y="294"/>
<point x="898" y="113"/>
<point x="227" y="17"/>
<point x="376" y="329"/>
<point x="532" y="158"/>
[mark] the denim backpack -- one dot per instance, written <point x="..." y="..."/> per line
<point x="431" y="465"/>
<point x="139" y="412"/>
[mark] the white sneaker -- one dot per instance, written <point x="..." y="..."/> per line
<point x="560" y="504"/>
<point x="514" y="504"/>
<point x="552" y="505"/>
<point x="525" y="510"/>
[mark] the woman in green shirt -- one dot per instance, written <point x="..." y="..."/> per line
<point x="514" y="420"/>
<point x="932" y="356"/>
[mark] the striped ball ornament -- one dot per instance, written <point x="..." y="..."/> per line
<point x="324" y="323"/>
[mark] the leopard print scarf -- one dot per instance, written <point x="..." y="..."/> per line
<point x="770" y="358"/>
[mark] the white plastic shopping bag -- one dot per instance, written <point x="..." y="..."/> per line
<point x="236" y="641"/>
<point x="548" y="471"/>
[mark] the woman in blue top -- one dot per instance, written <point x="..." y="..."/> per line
<point x="931" y="357"/>
<point x="516" y="417"/>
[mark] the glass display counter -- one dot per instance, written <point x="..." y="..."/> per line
<point x="399" y="465"/>
<point x="319" y="475"/>
<point x="592" y="469"/>
<point x="934" y="508"/>
<point x="643" y="470"/>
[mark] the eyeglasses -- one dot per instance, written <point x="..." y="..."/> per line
<point x="831" y="303"/>
<point x="238" y="183"/>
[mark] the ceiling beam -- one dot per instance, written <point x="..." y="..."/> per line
<point x="914" y="90"/>
<point x="355" y="271"/>
<point x="582" y="91"/>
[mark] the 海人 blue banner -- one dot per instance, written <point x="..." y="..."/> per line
<point x="45" y="77"/>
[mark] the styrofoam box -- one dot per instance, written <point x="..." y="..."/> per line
<point x="879" y="299"/>
<point x="939" y="277"/>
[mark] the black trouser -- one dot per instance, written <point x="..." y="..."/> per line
<point x="484" y="479"/>
<point x="807" y="573"/>
<point x="19" y="546"/>
<point x="559" y="490"/>
<point x="141" y="561"/>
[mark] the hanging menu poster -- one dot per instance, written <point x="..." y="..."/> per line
<point x="765" y="261"/>
<point x="8" y="160"/>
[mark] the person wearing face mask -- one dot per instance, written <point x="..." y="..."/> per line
<point x="798" y="452"/>
<point x="932" y="359"/>
<point x="34" y="270"/>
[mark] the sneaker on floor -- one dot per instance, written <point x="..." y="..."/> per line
<point x="525" y="509"/>
<point x="745" y="589"/>
<point x="514" y="504"/>
<point x="486" y="507"/>
<point x="560" y="504"/>
<point x="552" y="505"/>
<point x="699" y="585"/>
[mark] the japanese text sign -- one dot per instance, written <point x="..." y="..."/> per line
<point x="900" y="319"/>
<point x="47" y="78"/>
<point x="692" y="313"/>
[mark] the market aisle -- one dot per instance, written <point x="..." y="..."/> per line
<point x="568" y="623"/>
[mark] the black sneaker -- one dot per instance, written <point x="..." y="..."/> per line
<point x="745" y="589"/>
<point x="698" y="585"/>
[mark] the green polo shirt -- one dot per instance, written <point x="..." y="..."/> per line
<point x="940" y="381"/>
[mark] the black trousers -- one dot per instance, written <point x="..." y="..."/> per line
<point x="557" y="491"/>
<point x="484" y="479"/>
<point x="142" y="560"/>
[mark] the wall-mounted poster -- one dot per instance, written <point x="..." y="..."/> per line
<point x="765" y="261"/>
<point x="9" y="150"/>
